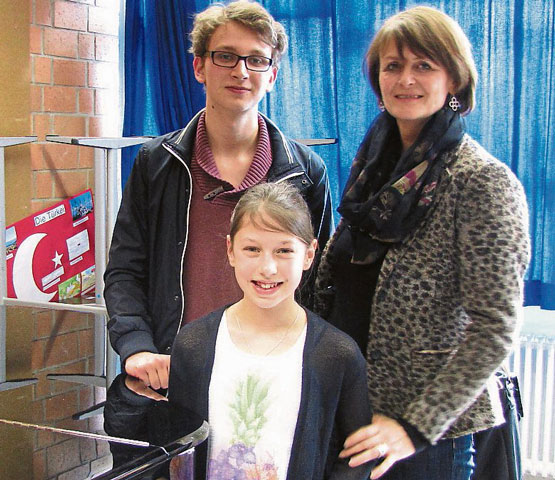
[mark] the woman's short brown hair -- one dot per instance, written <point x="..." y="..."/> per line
<point x="433" y="34"/>
<point x="249" y="14"/>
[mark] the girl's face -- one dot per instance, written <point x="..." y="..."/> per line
<point x="268" y="264"/>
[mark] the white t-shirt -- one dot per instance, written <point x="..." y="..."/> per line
<point x="253" y="404"/>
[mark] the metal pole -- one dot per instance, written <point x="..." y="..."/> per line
<point x="112" y="192"/>
<point x="113" y="200"/>
<point x="4" y="385"/>
<point x="107" y="197"/>
<point x="100" y="257"/>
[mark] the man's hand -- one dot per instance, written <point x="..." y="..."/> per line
<point x="151" y="368"/>
<point x="137" y="386"/>
<point x="384" y="437"/>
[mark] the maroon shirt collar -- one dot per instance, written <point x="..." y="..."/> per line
<point x="261" y="161"/>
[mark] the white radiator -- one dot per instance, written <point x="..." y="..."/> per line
<point x="534" y="363"/>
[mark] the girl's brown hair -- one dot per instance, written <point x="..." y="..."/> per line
<point x="276" y="207"/>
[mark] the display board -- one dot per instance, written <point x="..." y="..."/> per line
<point x="50" y="254"/>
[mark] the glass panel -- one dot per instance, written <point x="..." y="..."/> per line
<point x="51" y="398"/>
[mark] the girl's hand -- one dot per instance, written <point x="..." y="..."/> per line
<point x="384" y="437"/>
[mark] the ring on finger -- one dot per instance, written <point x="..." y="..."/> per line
<point x="382" y="449"/>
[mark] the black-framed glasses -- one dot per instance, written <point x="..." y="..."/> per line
<point x="255" y="63"/>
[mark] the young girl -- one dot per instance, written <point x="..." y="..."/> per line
<point x="281" y="388"/>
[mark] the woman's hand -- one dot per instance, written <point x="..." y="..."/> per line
<point x="384" y="437"/>
<point x="152" y="368"/>
<point x="138" y="386"/>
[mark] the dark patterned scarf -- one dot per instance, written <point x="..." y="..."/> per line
<point x="381" y="212"/>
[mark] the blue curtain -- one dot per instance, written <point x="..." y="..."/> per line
<point x="161" y="93"/>
<point x="321" y="91"/>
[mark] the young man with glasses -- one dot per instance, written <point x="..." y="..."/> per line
<point x="167" y="263"/>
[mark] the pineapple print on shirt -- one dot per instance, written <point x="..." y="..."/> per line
<point x="248" y="415"/>
<point x="253" y="407"/>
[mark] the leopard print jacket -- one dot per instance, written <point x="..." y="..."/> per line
<point x="446" y="308"/>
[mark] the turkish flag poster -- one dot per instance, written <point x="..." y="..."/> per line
<point x="50" y="254"/>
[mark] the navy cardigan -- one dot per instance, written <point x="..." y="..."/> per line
<point x="334" y="398"/>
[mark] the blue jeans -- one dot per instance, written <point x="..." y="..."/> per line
<point x="450" y="459"/>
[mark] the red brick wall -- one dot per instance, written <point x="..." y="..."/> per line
<point x="74" y="62"/>
<point x="74" y="88"/>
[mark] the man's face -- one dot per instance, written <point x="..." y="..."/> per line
<point x="234" y="89"/>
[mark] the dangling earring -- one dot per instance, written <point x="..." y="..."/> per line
<point x="454" y="103"/>
<point x="381" y="106"/>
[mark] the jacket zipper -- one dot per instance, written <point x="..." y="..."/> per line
<point x="176" y="155"/>
<point x="287" y="177"/>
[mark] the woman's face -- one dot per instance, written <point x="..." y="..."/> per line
<point x="413" y="87"/>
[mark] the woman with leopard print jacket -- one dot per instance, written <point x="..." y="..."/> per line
<point x="425" y="269"/>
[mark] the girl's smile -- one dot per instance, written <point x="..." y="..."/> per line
<point x="268" y="264"/>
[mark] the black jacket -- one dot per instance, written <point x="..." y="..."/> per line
<point x="334" y="397"/>
<point x="143" y="288"/>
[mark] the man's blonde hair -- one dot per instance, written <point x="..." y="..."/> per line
<point x="249" y="14"/>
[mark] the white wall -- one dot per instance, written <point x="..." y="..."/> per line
<point x="538" y="322"/>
